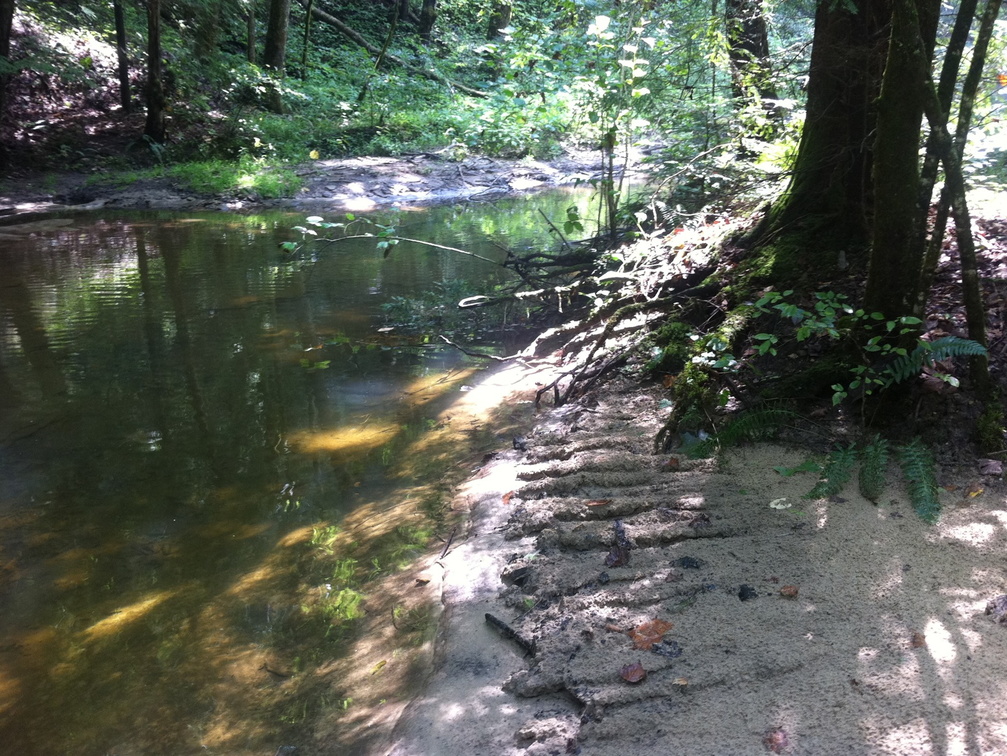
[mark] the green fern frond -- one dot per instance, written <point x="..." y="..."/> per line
<point x="837" y="472"/>
<point x="927" y="353"/>
<point x="873" y="467"/>
<point x="918" y="465"/>
<point x="753" y="425"/>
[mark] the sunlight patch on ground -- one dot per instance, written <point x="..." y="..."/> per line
<point x="890" y="583"/>
<point x="939" y="642"/>
<point x="974" y="533"/>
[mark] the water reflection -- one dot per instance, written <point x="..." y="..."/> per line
<point x="187" y="414"/>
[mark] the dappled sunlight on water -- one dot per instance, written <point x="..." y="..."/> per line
<point x="212" y="471"/>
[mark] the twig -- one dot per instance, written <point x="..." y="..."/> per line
<point x="553" y="227"/>
<point x="470" y="353"/>
<point x="451" y="539"/>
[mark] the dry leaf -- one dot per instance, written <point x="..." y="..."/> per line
<point x="918" y="640"/>
<point x="613" y="628"/>
<point x="673" y="463"/>
<point x="669" y="380"/>
<point x="597" y="502"/>
<point x="508" y="496"/>
<point x="789" y="591"/>
<point x="646" y="635"/>
<point x="974" y="490"/>
<point x="633" y="673"/>
<point x="681" y="682"/>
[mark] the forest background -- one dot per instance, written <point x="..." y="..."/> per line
<point x="839" y="120"/>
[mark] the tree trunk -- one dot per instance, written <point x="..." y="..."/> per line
<point x="6" y="22"/>
<point x="428" y="17"/>
<point x="829" y="196"/>
<point x="154" y="128"/>
<point x="275" y="52"/>
<point x="945" y="92"/>
<point x="121" y="57"/>
<point x="896" y="261"/>
<point x="748" y="49"/>
<point x="954" y="192"/>
<point x="306" y="40"/>
<point x="207" y="30"/>
<point x="499" y="19"/>
<point x="250" y="32"/>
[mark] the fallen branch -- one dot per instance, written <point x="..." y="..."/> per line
<point x="483" y="355"/>
<point x="350" y="34"/>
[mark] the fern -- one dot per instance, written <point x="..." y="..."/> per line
<point x="873" y="466"/>
<point x="927" y="353"/>
<point x="918" y="466"/>
<point x="749" y="426"/>
<point x="837" y="473"/>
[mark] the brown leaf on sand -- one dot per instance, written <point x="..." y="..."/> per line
<point x="633" y="673"/>
<point x="789" y="591"/>
<point x="507" y="497"/>
<point x="597" y="502"/>
<point x="646" y="635"/>
<point x="613" y="628"/>
<point x="918" y="640"/>
<point x="776" y="740"/>
<point x="673" y="463"/>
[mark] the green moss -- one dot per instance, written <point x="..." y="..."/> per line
<point x="672" y="348"/>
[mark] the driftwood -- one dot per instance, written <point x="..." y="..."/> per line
<point x="355" y="37"/>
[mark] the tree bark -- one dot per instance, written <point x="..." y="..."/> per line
<point x="499" y="19"/>
<point x="428" y="17"/>
<point x="275" y="52"/>
<point x="250" y="32"/>
<point x="829" y="196"/>
<point x="154" y="128"/>
<point x="896" y="261"/>
<point x="748" y="49"/>
<point x="954" y="192"/>
<point x="6" y="22"/>
<point x="306" y="41"/>
<point x="945" y="92"/>
<point x="122" y="58"/>
<point x="355" y="37"/>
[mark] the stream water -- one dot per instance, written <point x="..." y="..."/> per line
<point x="186" y="412"/>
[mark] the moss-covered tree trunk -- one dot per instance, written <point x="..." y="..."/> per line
<point x="827" y="205"/>
<point x="275" y="52"/>
<point x="896" y="259"/>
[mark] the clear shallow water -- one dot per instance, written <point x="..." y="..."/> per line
<point x="178" y="399"/>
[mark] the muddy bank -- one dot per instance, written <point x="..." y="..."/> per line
<point x="658" y="605"/>
<point x="350" y="184"/>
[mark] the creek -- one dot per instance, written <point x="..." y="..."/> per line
<point x="188" y="417"/>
